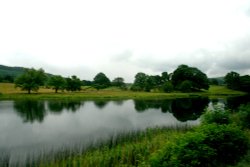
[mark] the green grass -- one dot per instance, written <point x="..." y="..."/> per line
<point x="8" y="91"/>
<point x="130" y="150"/>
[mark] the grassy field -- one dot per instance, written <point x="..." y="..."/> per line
<point x="8" y="91"/>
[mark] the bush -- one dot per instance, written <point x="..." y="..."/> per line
<point x="244" y="116"/>
<point x="217" y="116"/>
<point x="209" y="145"/>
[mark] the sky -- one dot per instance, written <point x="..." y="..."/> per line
<point x="123" y="37"/>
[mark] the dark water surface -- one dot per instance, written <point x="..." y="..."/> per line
<point x="30" y="129"/>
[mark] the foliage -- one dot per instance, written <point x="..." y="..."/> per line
<point x="140" y="82"/>
<point x="244" y="116"/>
<point x="73" y="84"/>
<point x="144" y="82"/>
<point x="185" y="86"/>
<point x="197" y="78"/>
<point x="232" y="80"/>
<point x="218" y="116"/>
<point x="101" y="81"/>
<point x="57" y="82"/>
<point x="31" y="80"/>
<point x="168" y="87"/>
<point x="87" y="83"/>
<point x="209" y="145"/>
<point x="119" y="82"/>
<point x="245" y="83"/>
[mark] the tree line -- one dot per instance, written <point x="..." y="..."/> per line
<point x="184" y="79"/>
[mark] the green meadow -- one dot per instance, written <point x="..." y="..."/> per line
<point x="8" y="91"/>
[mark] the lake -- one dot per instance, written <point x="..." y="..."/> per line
<point x="32" y="129"/>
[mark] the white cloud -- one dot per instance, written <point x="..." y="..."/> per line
<point x="85" y="37"/>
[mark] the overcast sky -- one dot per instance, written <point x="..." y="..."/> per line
<point x="123" y="37"/>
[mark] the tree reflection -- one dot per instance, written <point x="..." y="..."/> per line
<point x="30" y="110"/>
<point x="142" y="105"/>
<point x="189" y="108"/>
<point x="70" y="105"/>
<point x="182" y="109"/>
<point x="234" y="102"/>
<point x="101" y="103"/>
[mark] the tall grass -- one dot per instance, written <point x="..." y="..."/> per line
<point x="131" y="149"/>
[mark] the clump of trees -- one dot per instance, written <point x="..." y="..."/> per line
<point x="32" y="79"/>
<point x="234" y="81"/>
<point x="144" y="82"/>
<point x="184" y="78"/>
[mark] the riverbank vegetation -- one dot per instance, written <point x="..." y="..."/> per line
<point x="215" y="142"/>
<point x="9" y="91"/>
<point x="184" y="79"/>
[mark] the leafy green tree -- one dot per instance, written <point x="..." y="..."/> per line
<point x="57" y="82"/>
<point x="119" y="82"/>
<point x="140" y="81"/>
<point x="232" y="80"/>
<point x="185" y="86"/>
<point x="168" y="87"/>
<point x="31" y="79"/>
<point x="185" y="73"/>
<point x="165" y="77"/>
<point x="73" y="84"/>
<point x="245" y="83"/>
<point x="101" y="81"/>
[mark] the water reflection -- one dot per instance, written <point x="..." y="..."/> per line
<point x="183" y="109"/>
<point x="30" y="110"/>
<point x="189" y="109"/>
<point x="67" y="124"/>
<point x="233" y="103"/>
<point x="100" y="103"/>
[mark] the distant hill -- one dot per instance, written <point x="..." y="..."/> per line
<point x="218" y="80"/>
<point x="8" y="74"/>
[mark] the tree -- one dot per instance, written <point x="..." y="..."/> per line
<point x="140" y="81"/>
<point x="31" y="79"/>
<point x="168" y="87"/>
<point x="119" y="82"/>
<point x="101" y="81"/>
<point x="73" y="83"/>
<point x="184" y="73"/>
<point x="165" y="77"/>
<point x="57" y="82"/>
<point x="245" y="83"/>
<point x="232" y="79"/>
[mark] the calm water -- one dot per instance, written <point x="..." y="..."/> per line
<point x="30" y="129"/>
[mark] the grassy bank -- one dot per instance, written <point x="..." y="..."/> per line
<point x="129" y="150"/>
<point x="8" y="91"/>
<point x="223" y="139"/>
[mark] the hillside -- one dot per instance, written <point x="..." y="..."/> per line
<point x="11" y="71"/>
<point x="7" y="74"/>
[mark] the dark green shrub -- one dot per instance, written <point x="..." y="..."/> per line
<point x="244" y="116"/>
<point x="217" y="116"/>
<point x="229" y="141"/>
<point x="209" y="145"/>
